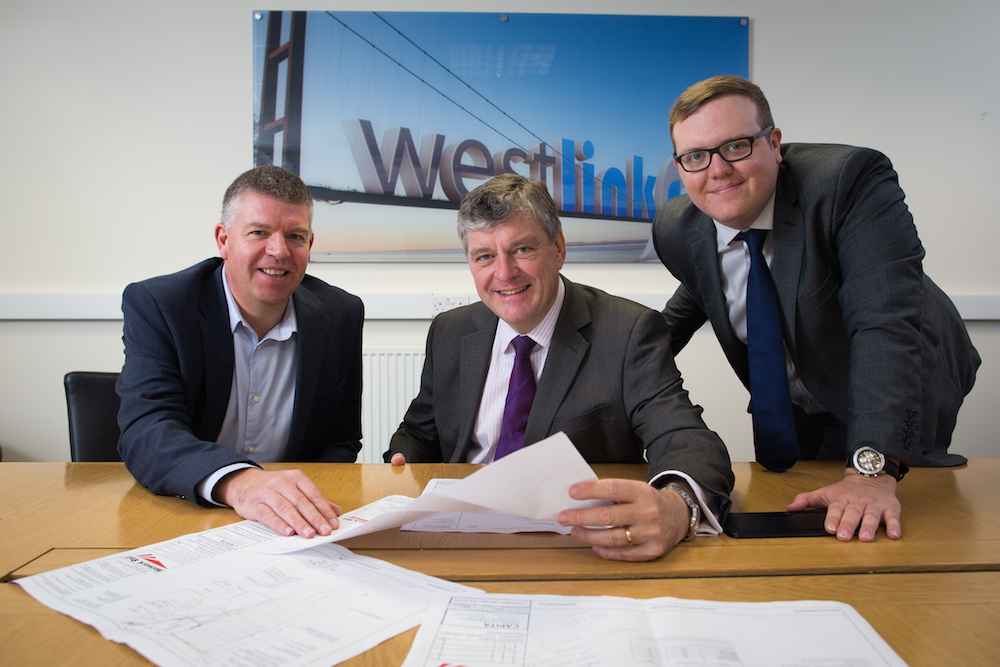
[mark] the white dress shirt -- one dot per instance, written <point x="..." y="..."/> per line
<point x="734" y="265"/>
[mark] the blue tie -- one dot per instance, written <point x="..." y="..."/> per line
<point x="774" y="438"/>
<point x="520" y="395"/>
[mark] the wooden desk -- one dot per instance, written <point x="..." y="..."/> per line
<point x="949" y="524"/>
<point x="932" y="595"/>
<point x="928" y="619"/>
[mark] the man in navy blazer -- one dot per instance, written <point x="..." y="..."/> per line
<point x="605" y="376"/>
<point x="878" y="359"/>
<point x="241" y="360"/>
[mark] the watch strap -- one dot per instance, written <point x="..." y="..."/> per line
<point x="692" y="505"/>
<point x="888" y="467"/>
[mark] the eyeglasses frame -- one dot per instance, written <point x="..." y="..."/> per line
<point x="716" y="151"/>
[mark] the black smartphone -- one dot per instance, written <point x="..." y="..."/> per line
<point x="776" y="524"/>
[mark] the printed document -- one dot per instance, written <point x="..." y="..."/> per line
<point x="211" y="599"/>
<point x="479" y="522"/>
<point x="532" y="483"/>
<point x="557" y="631"/>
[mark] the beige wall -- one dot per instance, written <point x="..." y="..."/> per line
<point x="123" y="122"/>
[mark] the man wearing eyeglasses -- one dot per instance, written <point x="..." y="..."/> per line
<point x="805" y="259"/>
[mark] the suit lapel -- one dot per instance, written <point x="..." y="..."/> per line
<point x="217" y="341"/>
<point x="565" y="356"/>
<point x="705" y="250"/>
<point x="312" y="325"/>
<point x="474" y="352"/>
<point x="788" y="244"/>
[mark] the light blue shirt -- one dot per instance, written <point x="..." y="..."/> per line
<point x="262" y="396"/>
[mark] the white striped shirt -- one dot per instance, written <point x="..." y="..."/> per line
<point x="490" y="418"/>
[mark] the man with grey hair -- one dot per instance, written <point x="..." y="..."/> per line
<point x="242" y="360"/>
<point x="542" y="354"/>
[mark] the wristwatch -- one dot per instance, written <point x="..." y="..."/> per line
<point x="692" y="505"/>
<point x="871" y="463"/>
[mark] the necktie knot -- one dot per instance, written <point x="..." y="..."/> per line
<point x="523" y="346"/>
<point x="754" y="238"/>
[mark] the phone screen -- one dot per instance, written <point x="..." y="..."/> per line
<point x="776" y="524"/>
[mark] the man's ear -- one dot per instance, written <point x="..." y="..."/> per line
<point x="776" y="144"/>
<point x="222" y="234"/>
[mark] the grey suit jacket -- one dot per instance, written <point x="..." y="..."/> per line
<point x="873" y="338"/>
<point x="609" y="383"/>
<point x="178" y="373"/>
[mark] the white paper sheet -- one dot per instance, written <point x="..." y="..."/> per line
<point x="209" y="599"/>
<point x="532" y="483"/>
<point x="479" y="522"/>
<point x="555" y="631"/>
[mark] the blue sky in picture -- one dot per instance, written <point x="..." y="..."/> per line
<point x="507" y="81"/>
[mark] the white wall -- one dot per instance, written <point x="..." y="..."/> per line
<point x="124" y="121"/>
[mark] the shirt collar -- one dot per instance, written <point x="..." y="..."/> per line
<point x="765" y="220"/>
<point x="282" y="331"/>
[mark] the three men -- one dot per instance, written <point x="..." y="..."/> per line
<point x="873" y="356"/>
<point x="600" y="370"/>
<point x="244" y="359"/>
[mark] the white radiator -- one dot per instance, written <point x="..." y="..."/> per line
<point x="391" y="380"/>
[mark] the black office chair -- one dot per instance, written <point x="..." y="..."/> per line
<point x="92" y="406"/>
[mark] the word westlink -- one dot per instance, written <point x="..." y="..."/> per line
<point x="572" y="180"/>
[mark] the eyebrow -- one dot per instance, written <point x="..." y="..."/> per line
<point x="707" y="148"/>
<point x="528" y="239"/>
<point x="255" y="224"/>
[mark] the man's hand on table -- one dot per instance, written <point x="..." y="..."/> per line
<point x="398" y="459"/>
<point x="656" y="520"/>
<point x="856" y="499"/>
<point x="285" y="501"/>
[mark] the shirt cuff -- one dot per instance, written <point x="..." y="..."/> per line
<point x="709" y="524"/>
<point x="207" y="486"/>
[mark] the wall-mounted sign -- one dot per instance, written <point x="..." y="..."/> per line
<point x="416" y="109"/>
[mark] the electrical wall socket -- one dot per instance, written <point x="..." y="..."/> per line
<point x="443" y="302"/>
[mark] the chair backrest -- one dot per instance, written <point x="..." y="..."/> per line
<point x="92" y="406"/>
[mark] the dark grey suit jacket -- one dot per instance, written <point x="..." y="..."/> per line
<point x="609" y="382"/>
<point x="178" y="374"/>
<point x="873" y="338"/>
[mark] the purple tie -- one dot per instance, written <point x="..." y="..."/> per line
<point x="520" y="394"/>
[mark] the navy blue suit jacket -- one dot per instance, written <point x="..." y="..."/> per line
<point x="178" y="374"/>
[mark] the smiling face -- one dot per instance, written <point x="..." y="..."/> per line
<point x="734" y="193"/>
<point x="516" y="269"/>
<point x="266" y="251"/>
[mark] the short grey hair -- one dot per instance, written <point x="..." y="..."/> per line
<point x="499" y="199"/>
<point x="270" y="181"/>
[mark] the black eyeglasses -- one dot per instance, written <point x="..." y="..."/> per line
<point x="733" y="150"/>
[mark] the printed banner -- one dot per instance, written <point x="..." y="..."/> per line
<point x="417" y="109"/>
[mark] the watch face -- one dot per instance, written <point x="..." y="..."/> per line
<point x="868" y="461"/>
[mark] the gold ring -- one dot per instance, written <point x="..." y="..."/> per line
<point x="628" y="534"/>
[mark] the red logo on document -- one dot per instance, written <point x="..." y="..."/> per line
<point x="149" y="559"/>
